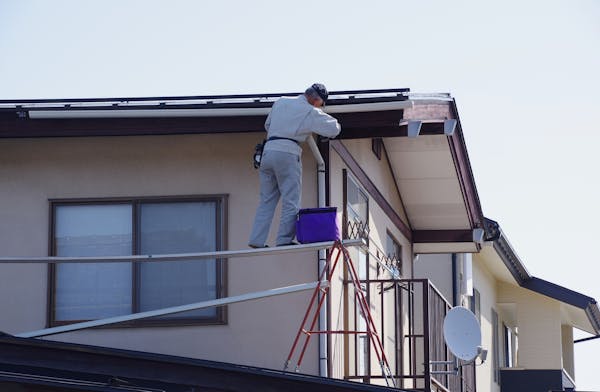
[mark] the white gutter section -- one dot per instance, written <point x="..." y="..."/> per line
<point x="208" y="112"/>
<point x="323" y="371"/>
<point x="172" y="310"/>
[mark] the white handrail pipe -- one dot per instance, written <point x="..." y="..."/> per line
<point x="172" y="310"/>
<point x="224" y="254"/>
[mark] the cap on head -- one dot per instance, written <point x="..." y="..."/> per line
<point x="320" y="90"/>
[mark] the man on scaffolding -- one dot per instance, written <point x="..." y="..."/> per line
<point x="291" y="121"/>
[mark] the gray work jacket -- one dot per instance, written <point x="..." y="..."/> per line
<point x="295" y="118"/>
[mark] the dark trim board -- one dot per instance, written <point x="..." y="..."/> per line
<point x="464" y="171"/>
<point x="85" y="363"/>
<point x="370" y="187"/>
<point x="394" y="130"/>
<point x="18" y="128"/>
<point x="437" y="236"/>
<point x="542" y="380"/>
<point x="552" y="290"/>
<point x="354" y="125"/>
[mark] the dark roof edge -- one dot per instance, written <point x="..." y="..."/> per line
<point x="82" y="349"/>
<point x="568" y="296"/>
<point x="200" y="97"/>
<point x="593" y="313"/>
<point x="510" y="258"/>
<point x="558" y="292"/>
<point x="465" y="171"/>
<point x="517" y="269"/>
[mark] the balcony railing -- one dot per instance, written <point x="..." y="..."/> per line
<point x="419" y="351"/>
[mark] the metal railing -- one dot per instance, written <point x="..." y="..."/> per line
<point x="419" y="353"/>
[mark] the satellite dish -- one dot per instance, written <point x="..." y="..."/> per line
<point x="462" y="333"/>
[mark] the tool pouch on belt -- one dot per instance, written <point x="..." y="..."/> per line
<point x="258" y="151"/>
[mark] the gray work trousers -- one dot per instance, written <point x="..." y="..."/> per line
<point x="280" y="176"/>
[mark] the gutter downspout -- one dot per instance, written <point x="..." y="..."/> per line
<point x="454" y="280"/>
<point x="322" y="258"/>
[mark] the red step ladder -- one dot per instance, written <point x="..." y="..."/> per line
<point x="338" y="250"/>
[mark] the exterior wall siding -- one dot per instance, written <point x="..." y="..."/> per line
<point x="378" y="171"/>
<point x="259" y="333"/>
<point x="568" y="350"/>
<point x="438" y="269"/>
<point x="485" y="283"/>
<point x="539" y="321"/>
<point x="379" y="224"/>
<point x="32" y="171"/>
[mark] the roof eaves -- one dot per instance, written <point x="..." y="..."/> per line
<point x="593" y="313"/>
<point x="565" y="295"/>
<point x="510" y="258"/>
<point x="213" y="101"/>
<point x="464" y="170"/>
<point x="557" y="292"/>
<point x="517" y="269"/>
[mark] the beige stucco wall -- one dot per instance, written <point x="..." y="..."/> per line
<point x="34" y="170"/>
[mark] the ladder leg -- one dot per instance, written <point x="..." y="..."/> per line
<point x="302" y="328"/>
<point x="363" y="304"/>
<point x="371" y="328"/>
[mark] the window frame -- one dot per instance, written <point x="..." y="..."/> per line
<point x="475" y="304"/>
<point x="400" y="262"/>
<point x="347" y="179"/>
<point x="377" y="146"/>
<point x="221" y="226"/>
<point x="495" y="347"/>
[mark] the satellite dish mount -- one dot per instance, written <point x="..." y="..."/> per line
<point x="462" y="335"/>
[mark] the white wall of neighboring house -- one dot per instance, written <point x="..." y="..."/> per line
<point x="485" y="283"/>
<point x="539" y="322"/>
<point x="543" y="340"/>
<point x="438" y="269"/>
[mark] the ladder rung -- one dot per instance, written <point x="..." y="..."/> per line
<point x="340" y="332"/>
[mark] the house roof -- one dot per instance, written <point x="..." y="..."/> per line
<point x="67" y="366"/>
<point x="431" y="167"/>
<point x="582" y="310"/>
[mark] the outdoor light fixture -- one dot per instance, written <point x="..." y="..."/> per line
<point x="449" y="127"/>
<point x="414" y="128"/>
<point x="482" y="354"/>
<point x="478" y="234"/>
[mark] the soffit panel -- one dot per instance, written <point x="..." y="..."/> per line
<point x="428" y="182"/>
<point x="576" y="317"/>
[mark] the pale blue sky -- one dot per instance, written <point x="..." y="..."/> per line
<point x="525" y="75"/>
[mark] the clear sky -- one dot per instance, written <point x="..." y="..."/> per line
<point x="525" y="74"/>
